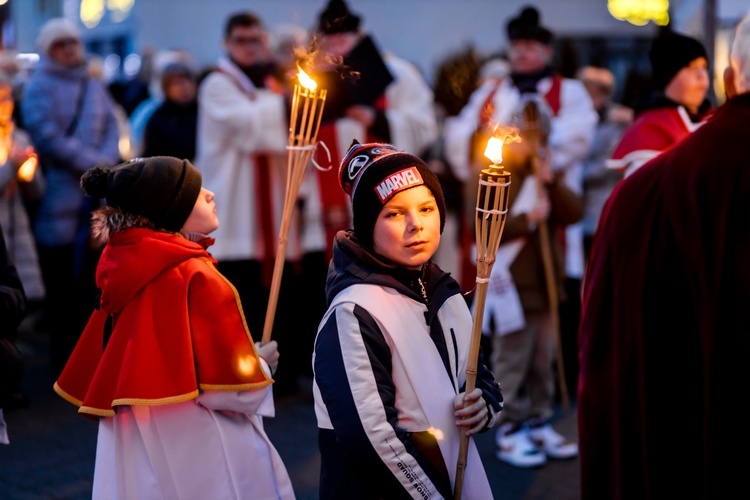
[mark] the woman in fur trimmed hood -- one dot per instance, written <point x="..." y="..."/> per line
<point x="166" y="363"/>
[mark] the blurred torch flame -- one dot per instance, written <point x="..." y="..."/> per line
<point x="305" y="80"/>
<point x="246" y="365"/>
<point x="500" y="136"/>
<point x="28" y="168"/>
<point x="437" y="433"/>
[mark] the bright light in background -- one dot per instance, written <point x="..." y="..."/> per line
<point x="721" y="53"/>
<point x="640" y="12"/>
<point x="111" y="65"/>
<point x="27" y="59"/>
<point x="132" y="65"/>
<point x="119" y="10"/>
<point x="91" y="12"/>
<point x="3" y="2"/>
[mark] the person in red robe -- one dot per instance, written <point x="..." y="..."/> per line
<point x="678" y="107"/>
<point x="665" y="332"/>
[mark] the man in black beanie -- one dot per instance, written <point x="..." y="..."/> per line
<point x="373" y="96"/>
<point x="679" y="66"/>
<point x="523" y="359"/>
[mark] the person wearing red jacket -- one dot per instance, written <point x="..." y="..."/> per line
<point x="680" y="74"/>
<point x="166" y="363"/>
<point x="664" y="332"/>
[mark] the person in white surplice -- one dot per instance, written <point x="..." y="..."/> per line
<point x="166" y="363"/>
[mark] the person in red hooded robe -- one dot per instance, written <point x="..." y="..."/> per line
<point x="166" y="364"/>
<point x="665" y="332"/>
<point x="678" y="107"/>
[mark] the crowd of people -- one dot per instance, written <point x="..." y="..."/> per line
<point x="149" y="213"/>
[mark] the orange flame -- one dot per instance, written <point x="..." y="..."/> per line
<point x="27" y="169"/>
<point x="437" y="433"/>
<point x="246" y="365"/>
<point x="501" y="134"/>
<point x="305" y="80"/>
<point x="494" y="150"/>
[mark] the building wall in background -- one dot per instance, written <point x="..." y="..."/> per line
<point x="422" y="31"/>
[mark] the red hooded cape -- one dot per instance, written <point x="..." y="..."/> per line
<point x="177" y="329"/>
<point x="665" y="329"/>
<point x="652" y="132"/>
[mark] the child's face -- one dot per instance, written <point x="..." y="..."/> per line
<point x="407" y="230"/>
<point x="690" y="85"/>
<point x="203" y="217"/>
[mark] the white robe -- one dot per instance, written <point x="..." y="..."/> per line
<point x="570" y="141"/>
<point x="211" y="447"/>
<point x="236" y="121"/>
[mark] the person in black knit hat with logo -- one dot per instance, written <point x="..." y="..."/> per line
<point x="391" y="352"/>
<point x="166" y="364"/>
<point x="373" y="96"/>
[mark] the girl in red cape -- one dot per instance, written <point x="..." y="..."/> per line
<point x="166" y="363"/>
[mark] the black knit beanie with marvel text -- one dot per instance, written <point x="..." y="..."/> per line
<point x="371" y="174"/>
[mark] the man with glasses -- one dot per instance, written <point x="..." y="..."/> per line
<point x="71" y="120"/>
<point x="241" y="151"/>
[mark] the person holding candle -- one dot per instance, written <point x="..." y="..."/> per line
<point x="241" y="151"/>
<point x="21" y="186"/>
<point x="679" y="65"/>
<point x="166" y="364"/>
<point x="391" y="351"/>
<point x="523" y="359"/>
<point x="664" y="331"/>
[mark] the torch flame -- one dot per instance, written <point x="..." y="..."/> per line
<point x="436" y="433"/>
<point x="305" y="80"/>
<point x="494" y="150"/>
<point x="246" y="365"/>
<point x="27" y="169"/>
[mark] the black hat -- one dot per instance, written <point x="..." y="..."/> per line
<point x="527" y="27"/>
<point x="161" y="188"/>
<point x="670" y="53"/>
<point x="337" y="18"/>
<point x="371" y="174"/>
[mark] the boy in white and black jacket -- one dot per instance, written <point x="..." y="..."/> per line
<point x="391" y="352"/>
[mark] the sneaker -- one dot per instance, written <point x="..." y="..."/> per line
<point x="516" y="448"/>
<point x="553" y="444"/>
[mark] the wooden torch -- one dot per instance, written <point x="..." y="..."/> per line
<point x="491" y="212"/>
<point x="304" y="123"/>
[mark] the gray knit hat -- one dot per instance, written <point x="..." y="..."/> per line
<point x="55" y="29"/>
